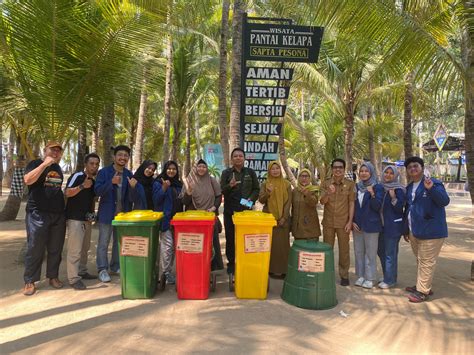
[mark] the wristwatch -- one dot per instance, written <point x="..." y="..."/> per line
<point x="81" y="187"/>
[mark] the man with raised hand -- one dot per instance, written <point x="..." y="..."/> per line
<point x="338" y="196"/>
<point x="112" y="186"/>
<point x="80" y="213"/>
<point x="425" y="225"/>
<point x="45" y="222"/>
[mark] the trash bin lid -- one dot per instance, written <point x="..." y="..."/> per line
<point x="139" y="216"/>
<point x="253" y="217"/>
<point x="311" y="245"/>
<point x="194" y="215"/>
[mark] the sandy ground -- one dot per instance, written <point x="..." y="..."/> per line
<point x="99" y="320"/>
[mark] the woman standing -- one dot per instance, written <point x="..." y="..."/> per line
<point x="367" y="225"/>
<point x="142" y="186"/>
<point x="166" y="190"/>
<point x="203" y="192"/>
<point x="392" y="219"/>
<point x="304" y="216"/>
<point x="275" y="194"/>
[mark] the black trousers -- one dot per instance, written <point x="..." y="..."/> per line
<point x="44" y="231"/>
<point x="229" y="238"/>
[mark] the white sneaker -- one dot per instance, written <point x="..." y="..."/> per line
<point x="359" y="281"/>
<point x="384" y="285"/>
<point x="104" y="276"/>
<point x="368" y="284"/>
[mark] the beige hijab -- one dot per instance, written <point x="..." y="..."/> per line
<point x="279" y="196"/>
<point x="205" y="188"/>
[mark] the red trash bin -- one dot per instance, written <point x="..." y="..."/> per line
<point x="193" y="232"/>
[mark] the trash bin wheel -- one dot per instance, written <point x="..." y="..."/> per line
<point x="162" y="282"/>
<point x="231" y="282"/>
<point x="213" y="282"/>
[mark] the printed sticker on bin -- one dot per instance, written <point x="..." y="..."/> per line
<point x="257" y="243"/>
<point x="190" y="242"/>
<point x="310" y="262"/>
<point x="134" y="246"/>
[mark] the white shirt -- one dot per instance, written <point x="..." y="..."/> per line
<point x="360" y="197"/>
<point x="413" y="193"/>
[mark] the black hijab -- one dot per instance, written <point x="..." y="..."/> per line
<point x="175" y="182"/>
<point x="146" y="181"/>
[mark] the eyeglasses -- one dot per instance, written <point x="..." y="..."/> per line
<point x="304" y="176"/>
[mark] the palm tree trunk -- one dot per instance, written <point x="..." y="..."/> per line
<point x="234" y="134"/>
<point x="373" y="157"/>
<point x="348" y="128"/>
<point x="467" y="54"/>
<point x="95" y="137"/>
<point x="187" y="152"/>
<point x="283" y="159"/>
<point x="176" y="135"/>
<point x="1" y="155"/>
<point x="138" y="149"/>
<point x="7" y="179"/>
<point x="12" y="205"/>
<point x="108" y="132"/>
<point x="223" y="127"/>
<point x="407" y="116"/>
<point x="197" y="134"/>
<point x="81" y="147"/>
<point x="168" y="91"/>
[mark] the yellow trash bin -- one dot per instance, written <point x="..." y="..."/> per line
<point x="253" y="242"/>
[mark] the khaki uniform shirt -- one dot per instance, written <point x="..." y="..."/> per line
<point x="336" y="210"/>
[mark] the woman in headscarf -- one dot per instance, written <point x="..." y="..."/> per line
<point x="275" y="194"/>
<point x="304" y="216"/>
<point x="393" y="203"/>
<point x="142" y="186"/>
<point x="367" y="225"/>
<point x="203" y="192"/>
<point x="166" y="191"/>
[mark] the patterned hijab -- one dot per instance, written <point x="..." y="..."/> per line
<point x="372" y="180"/>
<point x="310" y="186"/>
<point x="279" y="195"/>
<point x="395" y="183"/>
<point x="205" y="188"/>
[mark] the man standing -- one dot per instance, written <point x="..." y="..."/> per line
<point x="425" y="225"/>
<point x="240" y="188"/>
<point x="45" y="222"/>
<point x="337" y="196"/>
<point x="80" y="208"/>
<point x="112" y="187"/>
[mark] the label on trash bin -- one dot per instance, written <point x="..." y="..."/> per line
<point x="134" y="246"/>
<point x="310" y="262"/>
<point x="257" y="243"/>
<point x="190" y="242"/>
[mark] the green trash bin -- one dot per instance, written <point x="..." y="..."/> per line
<point x="310" y="281"/>
<point x="137" y="233"/>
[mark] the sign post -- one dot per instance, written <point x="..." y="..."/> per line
<point x="440" y="136"/>
<point x="265" y="88"/>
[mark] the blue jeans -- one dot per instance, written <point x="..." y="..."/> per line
<point x="365" y="251"/>
<point x="388" y="254"/>
<point x="105" y="231"/>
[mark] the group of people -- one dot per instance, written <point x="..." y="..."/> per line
<point x="377" y="214"/>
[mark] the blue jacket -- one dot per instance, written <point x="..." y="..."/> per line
<point x="393" y="214"/>
<point x="367" y="216"/>
<point x="427" y="211"/>
<point x="104" y="188"/>
<point x="137" y="196"/>
<point x="166" y="202"/>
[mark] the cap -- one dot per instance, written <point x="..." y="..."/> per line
<point x="52" y="144"/>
